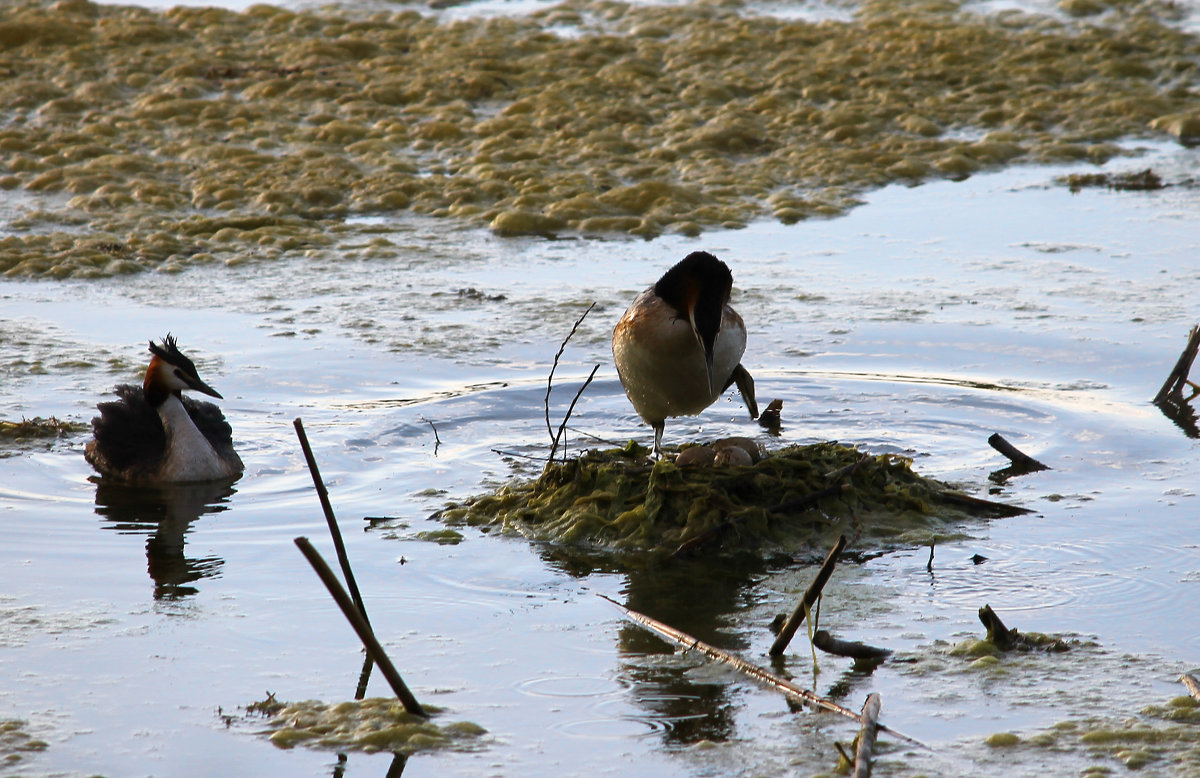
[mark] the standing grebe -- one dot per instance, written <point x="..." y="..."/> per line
<point x="677" y="347"/>
<point x="153" y="434"/>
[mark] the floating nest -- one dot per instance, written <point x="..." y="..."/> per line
<point x="795" y="498"/>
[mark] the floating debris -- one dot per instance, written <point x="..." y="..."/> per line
<point x="23" y="433"/>
<point x="373" y="724"/>
<point x="1001" y="638"/>
<point x="38" y="428"/>
<point x="797" y="497"/>
<point x="1134" y="181"/>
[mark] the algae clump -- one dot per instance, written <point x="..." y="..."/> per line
<point x="16" y="743"/>
<point x="130" y="131"/>
<point x="373" y="724"/>
<point x="19" y="435"/>
<point x="796" y="498"/>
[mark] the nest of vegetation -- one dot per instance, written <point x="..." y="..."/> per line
<point x="796" y="498"/>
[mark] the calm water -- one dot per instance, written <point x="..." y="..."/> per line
<point x="921" y="323"/>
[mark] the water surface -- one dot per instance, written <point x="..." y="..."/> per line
<point x="920" y="323"/>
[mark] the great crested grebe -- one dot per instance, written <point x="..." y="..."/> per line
<point x="678" y="347"/>
<point x="153" y="434"/>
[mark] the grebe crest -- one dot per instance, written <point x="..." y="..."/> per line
<point x="679" y="346"/>
<point x="154" y="434"/>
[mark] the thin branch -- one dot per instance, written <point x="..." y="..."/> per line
<point x="570" y="410"/>
<point x="866" y="737"/>
<point x="689" y="643"/>
<point x="550" y="379"/>
<point x="1173" y="387"/>
<point x="343" y="559"/>
<point x="810" y="596"/>
<point x="849" y="648"/>
<point x="437" y="442"/>
<point x="997" y="632"/>
<point x="365" y="634"/>
<point x="503" y="453"/>
<point x="597" y="438"/>
<point x="1021" y="461"/>
<point x="338" y="545"/>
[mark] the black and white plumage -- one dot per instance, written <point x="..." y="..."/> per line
<point x="153" y="434"/>
<point x="679" y="346"/>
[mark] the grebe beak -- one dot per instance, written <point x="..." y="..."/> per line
<point x="704" y="344"/>
<point x="195" y="383"/>
<point x="708" y="363"/>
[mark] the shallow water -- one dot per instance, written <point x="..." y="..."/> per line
<point x="920" y="323"/>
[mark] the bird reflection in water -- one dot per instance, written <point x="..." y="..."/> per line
<point x="165" y="513"/>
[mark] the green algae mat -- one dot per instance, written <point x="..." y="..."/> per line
<point x="796" y="498"/>
<point x="137" y="139"/>
<point x="373" y="724"/>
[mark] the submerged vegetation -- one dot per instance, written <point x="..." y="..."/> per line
<point x="1160" y="738"/>
<point x="26" y="432"/>
<point x="373" y="724"/>
<point x="800" y="497"/>
<point x="137" y="139"/>
<point x="16" y="743"/>
<point x="1131" y="181"/>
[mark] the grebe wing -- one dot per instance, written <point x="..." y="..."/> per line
<point x="128" y="434"/>
<point x="209" y="419"/>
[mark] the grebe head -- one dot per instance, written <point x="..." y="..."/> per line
<point x="170" y="372"/>
<point x="698" y="287"/>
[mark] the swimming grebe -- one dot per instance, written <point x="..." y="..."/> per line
<point x="678" y="347"/>
<point x="155" y="434"/>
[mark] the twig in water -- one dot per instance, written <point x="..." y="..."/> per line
<point x="853" y="649"/>
<point x="365" y="634"/>
<point x="550" y="379"/>
<point x="338" y="545"/>
<point x="570" y="410"/>
<point x="789" y="688"/>
<point x="810" y="596"/>
<point x="866" y="737"/>
<point x="770" y="419"/>
<point x="1021" y="462"/>
<point x="997" y="632"/>
<point x="437" y="442"/>
<point x="396" y="768"/>
<point x="597" y="438"/>
<point x="503" y="453"/>
<point x="979" y="505"/>
<point x="1173" y="387"/>
<point x="364" y="677"/>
